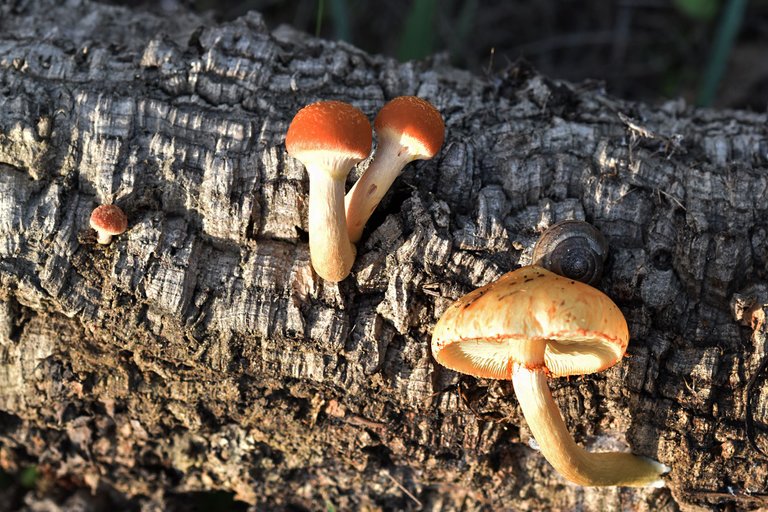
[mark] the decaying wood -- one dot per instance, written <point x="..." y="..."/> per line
<point x="199" y="352"/>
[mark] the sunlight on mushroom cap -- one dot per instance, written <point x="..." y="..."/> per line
<point x="535" y="318"/>
<point x="110" y="219"/>
<point x="333" y="134"/>
<point x="415" y="123"/>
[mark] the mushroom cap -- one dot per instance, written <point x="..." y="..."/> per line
<point x="526" y="313"/>
<point x="415" y="122"/>
<point x="110" y="219"/>
<point x="333" y="134"/>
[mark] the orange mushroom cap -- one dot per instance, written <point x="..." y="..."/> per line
<point x="417" y="124"/>
<point x="534" y="318"/>
<point x="110" y="219"/>
<point x="330" y="131"/>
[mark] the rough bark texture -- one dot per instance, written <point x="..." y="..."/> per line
<point x="199" y="352"/>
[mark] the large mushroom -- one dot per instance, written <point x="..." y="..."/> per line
<point x="329" y="138"/>
<point x="531" y="324"/>
<point x="407" y="128"/>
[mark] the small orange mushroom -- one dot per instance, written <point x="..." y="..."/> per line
<point x="329" y="138"/>
<point x="108" y="220"/>
<point x="531" y="324"/>
<point x="407" y="129"/>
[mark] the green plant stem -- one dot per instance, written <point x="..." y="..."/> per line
<point x="341" y="23"/>
<point x="319" y="17"/>
<point x="727" y="30"/>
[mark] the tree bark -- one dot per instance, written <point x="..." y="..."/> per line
<point x="198" y="351"/>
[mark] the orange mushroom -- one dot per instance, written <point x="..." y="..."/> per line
<point x="329" y="138"/>
<point x="407" y="129"/>
<point x="108" y="220"/>
<point x="531" y="324"/>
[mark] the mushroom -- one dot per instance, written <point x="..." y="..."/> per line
<point x="407" y="129"/>
<point x="108" y="220"/>
<point x="531" y="324"/>
<point x="329" y="138"/>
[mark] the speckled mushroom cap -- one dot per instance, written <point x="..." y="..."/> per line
<point x="534" y="318"/>
<point x="109" y="219"/>
<point x="415" y="122"/>
<point x="332" y="133"/>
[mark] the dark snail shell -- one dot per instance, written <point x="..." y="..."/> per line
<point x="573" y="249"/>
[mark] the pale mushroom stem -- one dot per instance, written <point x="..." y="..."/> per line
<point x="103" y="237"/>
<point x="330" y="250"/>
<point x="388" y="161"/>
<point x="570" y="460"/>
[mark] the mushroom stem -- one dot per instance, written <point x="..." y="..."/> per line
<point x="103" y="237"/>
<point x="362" y="199"/>
<point x="330" y="250"/>
<point x="570" y="460"/>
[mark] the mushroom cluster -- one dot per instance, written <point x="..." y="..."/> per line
<point x="330" y="138"/>
<point x="532" y="324"/>
<point x="527" y="326"/>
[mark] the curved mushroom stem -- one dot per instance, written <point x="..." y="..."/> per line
<point x="362" y="199"/>
<point x="570" y="460"/>
<point x="330" y="250"/>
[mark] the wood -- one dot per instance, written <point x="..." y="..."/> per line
<point x="199" y="352"/>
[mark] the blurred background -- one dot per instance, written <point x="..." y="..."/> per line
<point x="710" y="52"/>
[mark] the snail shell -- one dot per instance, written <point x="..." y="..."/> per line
<point x="573" y="249"/>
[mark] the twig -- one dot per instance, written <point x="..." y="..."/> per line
<point x="672" y="198"/>
<point x="671" y="144"/>
<point x="730" y="494"/>
<point x="636" y="128"/>
<point x="402" y="488"/>
<point x="489" y="69"/>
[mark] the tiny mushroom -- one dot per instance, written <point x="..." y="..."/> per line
<point x="108" y="220"/>
<point x="407" y="129"/>
<point x="531" y="324"/>
<point x="329" y="138"/>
